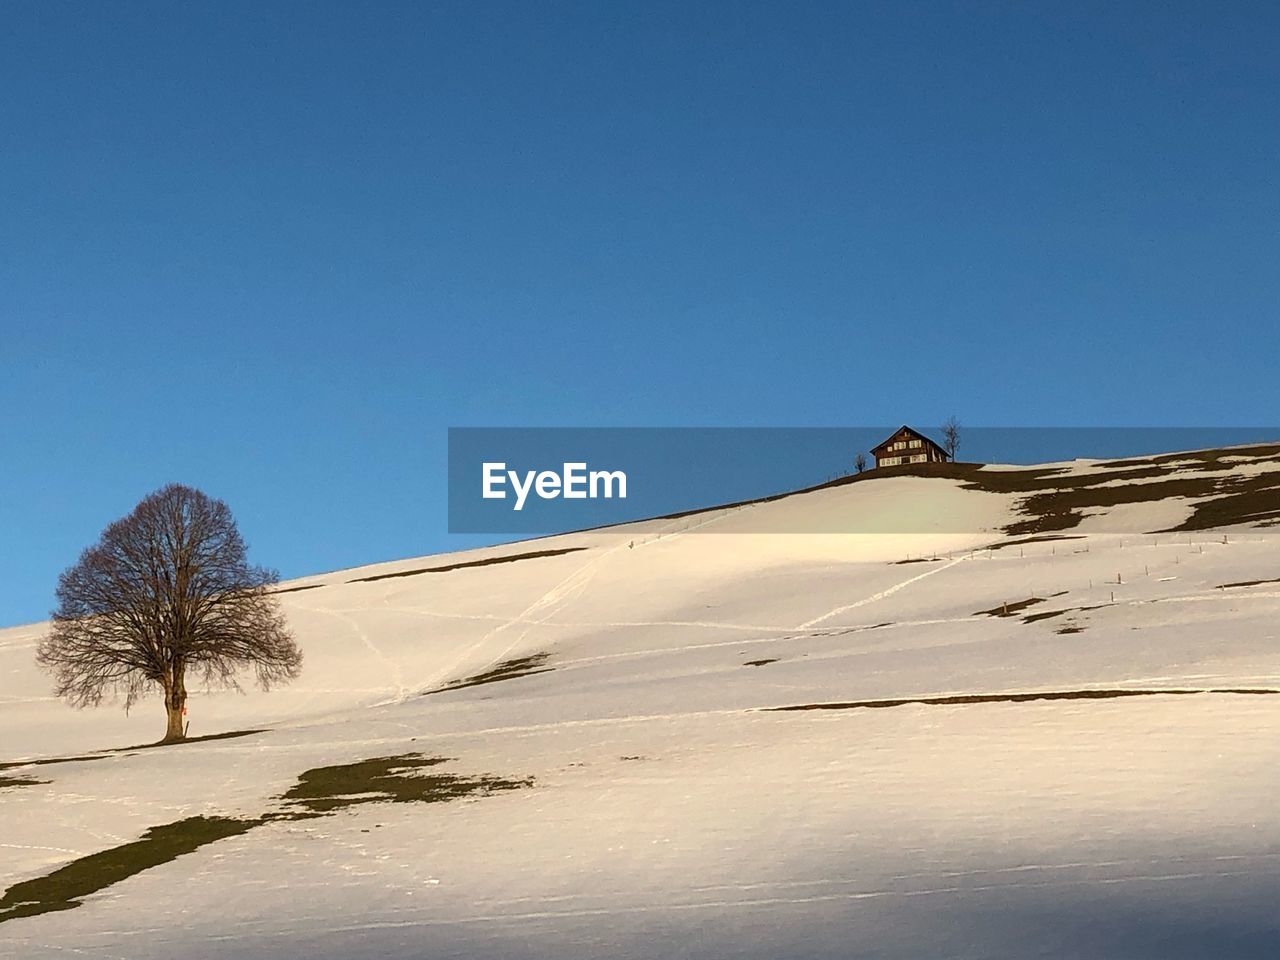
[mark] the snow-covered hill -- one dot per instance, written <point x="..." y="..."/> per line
<point x="1015" y="712"/>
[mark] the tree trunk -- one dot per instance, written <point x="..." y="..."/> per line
<point x="175" y="704"/>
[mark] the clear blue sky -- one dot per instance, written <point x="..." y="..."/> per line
<point x="275" y="250"/>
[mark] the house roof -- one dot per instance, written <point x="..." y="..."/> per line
<point x="901" y="430"/>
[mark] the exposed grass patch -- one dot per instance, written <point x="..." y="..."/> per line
<point x="917" y="560"/>
<point x="318" y="792"/>
<point x="487" y="562"/>
<point x="972" y="698"/>
<point x="308" y="586"/>
<point x="1069" y="629"/>
<point x="760" y="663"/>
<point x="67" y="886"/>
<point x="506" y="670"/>
<point x="389" y="780"/>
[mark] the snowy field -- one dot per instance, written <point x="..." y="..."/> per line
<point x="616" y="773"/>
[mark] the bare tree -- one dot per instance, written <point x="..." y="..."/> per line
<point x="165" y="590"/>
<point x="860" y="462"/>
<point x="951" y="436"/>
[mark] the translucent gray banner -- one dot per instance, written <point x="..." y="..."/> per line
<point x="1019" y="481"/>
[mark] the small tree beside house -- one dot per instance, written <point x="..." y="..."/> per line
<point x="951" y="437"/>
<point x="166" y="594"/>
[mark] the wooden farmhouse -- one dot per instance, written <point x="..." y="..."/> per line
<point x="908" y="446"/>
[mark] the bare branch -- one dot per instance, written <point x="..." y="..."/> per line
<point x="166" y="588"/>
<point x="951" y="436"/>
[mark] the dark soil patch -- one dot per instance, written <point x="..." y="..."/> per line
<point x="6" y="782"/>
<point x="1245" y="583"/>
<point x="229" y="735"/>
<point x="1053" y="498"/>
<point x="506" y="670"/>
<point x="67" y="886"/>
<point x="760" y="663"/>
<point x="971" y="698"/>
<point x="1253" y="500"/>
<point x="1055" y="502"/>
<point x="1009" y="609"/>
<point x="1206" y="459"/>
<point x="488" y="562"/>
<point x="388" y="780"/>
<point x="1050" y="614"/>
<point x="12" y="764"/>
<point x="917" y="560"/>
<point x="1047" y="538"/>
<point x="207" y="738"/>
<point x="309" y="586"/>
<point x="1047" y="614"/>
<point x="1069" y="630"/>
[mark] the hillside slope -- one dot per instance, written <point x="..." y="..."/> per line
<point x="953" y="712"/>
